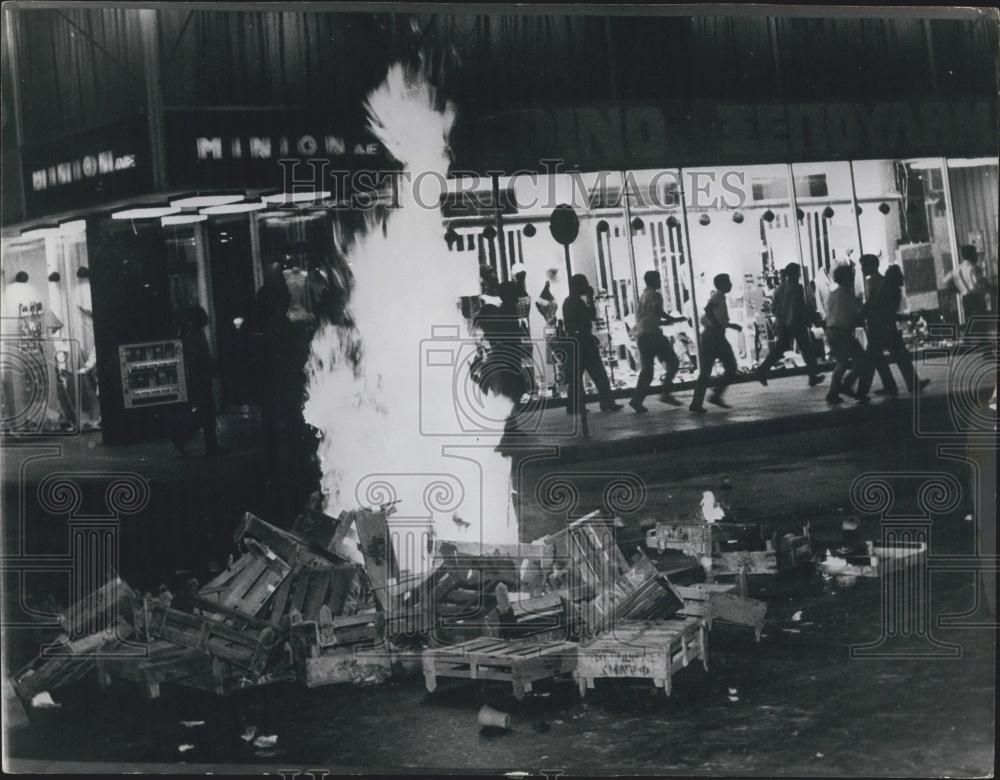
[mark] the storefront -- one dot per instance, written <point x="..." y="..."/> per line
<point x="131" y="223"/>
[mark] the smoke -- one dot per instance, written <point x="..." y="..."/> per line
<point x="364" y="373"/>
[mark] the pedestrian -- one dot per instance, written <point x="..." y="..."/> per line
<point x="652" y="344"/>
<point x="882" y="313"/>
<point x="715" y="346"/>
<point x="968" y="280"/>
<point x="502" y="369"/>
<point x="843" y="315"/>
<point x="873" y="283"/>
<point x="199" y="366"/>
<point x="578" y="319"/>
<point x="792" y="319"/>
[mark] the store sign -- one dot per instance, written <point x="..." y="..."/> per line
<point x="222" y="148"/>
<point x="93" y="167"/>
<point x="713" y="133"/>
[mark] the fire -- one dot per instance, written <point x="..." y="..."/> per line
<point x="365" y="395"/>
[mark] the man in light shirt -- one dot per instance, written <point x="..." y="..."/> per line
<point x="652" y="344"/>
<point x="715" y="346"/>
<point x="843" y="315"/>
<point x="968" y="280"/>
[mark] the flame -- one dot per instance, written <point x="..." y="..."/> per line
<point x="364" y="374"/>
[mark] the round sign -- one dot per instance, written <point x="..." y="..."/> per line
<point x="564" y="224"/>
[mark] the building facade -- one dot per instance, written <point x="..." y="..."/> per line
<point x="142" y="173"/>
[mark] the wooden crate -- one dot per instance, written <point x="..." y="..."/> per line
<point x="638" y="593"/>
<point x="588" y="550"/>
<point x="150" y="666"/>
<point x="358" y="665"/>
<point x="653" y="650"/>
<point x="250" y="581"/>
<point x="290" y="547"/>
<point x="519" y="662"/>
<point x="711" y="602"/>
<point x="342" y="589"/>
<point x="879" y="560"/>
<point x="65" y="660"/>
<point x="99" y="610"/>
<point x="224" y="633"/>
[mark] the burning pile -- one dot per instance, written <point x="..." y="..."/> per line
<point x="288" y="608"/>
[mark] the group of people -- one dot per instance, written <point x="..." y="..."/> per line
<point x="855" y="365"/>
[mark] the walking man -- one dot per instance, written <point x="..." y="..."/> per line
<point x="792" y="321"/>
<point x="578" y="318"/>
<point x="715" y="346"/>
<point x="652" y="344"/>
<point x="843" y="315"/>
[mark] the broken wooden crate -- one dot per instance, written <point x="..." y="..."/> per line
<point x="638" y="593"/>
<point x="519" y="662"/>
<point x="222" y="632"/>
<point x="249" y="581"/>
<point x="65" y="660"/>
<point x="710" y="602"/>
<point x="879" y="559"/>
<point x="586" y="558"/>
<point x="343" y="589"/>
<point x="652" y="650"/>
<point x="150" y="665"/>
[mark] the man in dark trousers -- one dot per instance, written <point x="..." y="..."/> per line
<point x="792" y="321"/>
<point x="578" y="318"/>
<point x="715" y="346"/>
<point x="198" y="368"/>
<point x="652" y="344"/>
<point x="874" y="321"/>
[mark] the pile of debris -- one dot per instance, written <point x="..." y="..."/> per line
<point x="292" y="606"/>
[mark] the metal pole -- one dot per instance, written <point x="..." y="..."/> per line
<point x="952" y="237"/>
<point x="795" y="215"/>
<point x="154" y="98"/>
<point x="628" y="232"/>
<point x="498" y="216"/>
<point x="690" y="263"/>
<point x="854" y="205"/>
<point x="15" y="87"/>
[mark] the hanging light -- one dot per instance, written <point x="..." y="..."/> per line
<point x="146" y="212"/>
<point x="233" y="208"/>
<point x="884" y="207"/>
<point x="489" y="232"/>
<point x="296" y="197"/>
<point x="637" y="224"/>
<point x="768" y="216"/>
<point x="529" y="230"/>
<point x="800" y="214"/>
<point x="704" y="219"/>
<point x="858" y="210"/>
<point x="738" y="217"/>
<point x="203" y="201"/>
<point x="828" y="212"/>
<point x="672" y="222"/>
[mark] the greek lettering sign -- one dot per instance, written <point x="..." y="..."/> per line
<point x="633" y="136"/>
<point x="88" y="168"/>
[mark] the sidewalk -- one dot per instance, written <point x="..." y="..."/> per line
<point x="786" y="406"/>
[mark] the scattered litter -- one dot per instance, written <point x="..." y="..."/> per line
<point x="851" y="524"/>
<point x="734" y="698"/>
<point x="819" y="755"/>
<point x="726" y="483"/>
<point x="248" y="733"/>
<point x="797" y="616"/>
<point x="265" y="753"/>
<point x="185" y="748"/>
<point x="489" y="717"/>
<point x="190" y="724"/>
<point x="517" y="775"/>
<point x="268" y="741"/>
<point x="733" y="691"/>
<point x="791" y="631"/>
<point x="846" y="580"/>
<point x="968" y="518"/>
<point x="44" y="701"/>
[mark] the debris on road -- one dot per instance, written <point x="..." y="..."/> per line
<point x="494" y="718"/>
